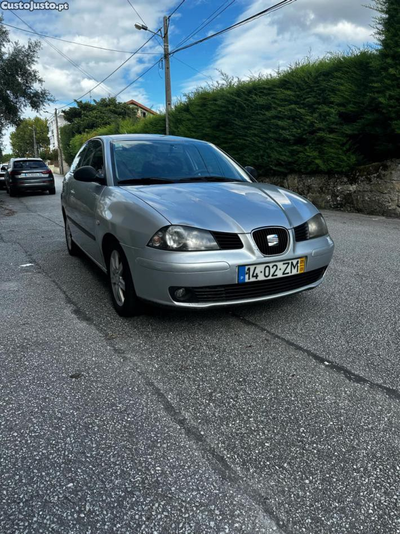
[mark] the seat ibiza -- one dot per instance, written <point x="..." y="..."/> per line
<point x="178" y="222"/>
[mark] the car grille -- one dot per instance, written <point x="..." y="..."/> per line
<point x="301" y="232"/>
<point x="252" y="290"/>
<point x="227" y="241"/>
<point x="260" y="238"/>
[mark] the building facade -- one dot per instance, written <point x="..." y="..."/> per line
<point x="141" y="110"/>
<point x="53" y="130"/>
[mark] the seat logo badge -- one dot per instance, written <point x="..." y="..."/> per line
<point x="273" y="240"/>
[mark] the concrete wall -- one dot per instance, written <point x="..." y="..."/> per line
<point x="56" y="169"/>
<point x="374" y="190"/>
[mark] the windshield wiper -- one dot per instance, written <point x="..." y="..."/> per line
<point x="208" y="179"/>
<point x="144" y="181"/>
<point x="189" y="179"/>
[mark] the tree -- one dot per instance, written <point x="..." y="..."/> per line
<point x="87" y="116"/>
<point x="22" y="138"/>
<point x="20" y="85"/>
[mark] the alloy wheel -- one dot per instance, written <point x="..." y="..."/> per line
<point x="117" y="277"/>
<point x="68" y="235"/>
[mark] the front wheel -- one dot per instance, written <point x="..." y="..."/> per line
<point x="72" y="247"/>
<point x="125" y="300"/>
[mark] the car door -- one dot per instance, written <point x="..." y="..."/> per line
<point x="83" y="201"/>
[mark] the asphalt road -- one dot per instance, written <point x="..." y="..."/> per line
<point x="281" y="417"/>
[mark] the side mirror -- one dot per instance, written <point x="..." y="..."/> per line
<point x="252" y="171"/>
<point x="88" y="174"/>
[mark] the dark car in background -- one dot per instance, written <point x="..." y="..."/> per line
<point x="3" y="168"/>
<point x="29" y="174"/>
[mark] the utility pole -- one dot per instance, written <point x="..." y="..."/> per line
<point x="164" y="35"/>
<point x="60" y="154"/>
<point x="35" y="150"/>
<point x="168" y="103"/>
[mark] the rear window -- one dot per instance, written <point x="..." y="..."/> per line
<point x="29" y="164"/>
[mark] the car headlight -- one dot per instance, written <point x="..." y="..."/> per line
<point x="317" y="226"/>
<point x="183" y="238"/>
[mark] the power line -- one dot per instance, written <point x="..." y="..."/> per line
<point x="62" y="53"/>
<point x="136" y="11"/>
<point x="207" y="21"/>
<point x="113" y="72"/>
<point x="176" y="9"/>
<point x="275" y="7"/>
<point x="74" y="42"/>
<point x="138" y="78"/>
<point x="141" y="18"/>
<point x="190" y="67"/>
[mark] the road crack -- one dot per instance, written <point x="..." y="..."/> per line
<point x="328" y="365"/>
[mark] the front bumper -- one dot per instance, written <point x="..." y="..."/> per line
<point x="155" y="272"/>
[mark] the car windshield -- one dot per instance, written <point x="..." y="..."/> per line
<point x="169" y="161"/>
<point x="29" y="164"/>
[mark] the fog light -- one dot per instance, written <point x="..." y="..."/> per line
<point x="180" y="294"/>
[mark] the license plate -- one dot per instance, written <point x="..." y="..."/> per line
<point x="267" y="271"/>
<point x="31" y="175"/>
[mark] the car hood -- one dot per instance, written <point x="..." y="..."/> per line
<point x="226" y="207"/>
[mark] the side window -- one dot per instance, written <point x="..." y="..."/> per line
<point x="87" y="156"/>
<point x="94" y="156"/>
<point x="98" y="160"/>
<point x="78" y="159"/>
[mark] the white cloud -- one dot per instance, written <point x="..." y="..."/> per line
<point x="343" y="31"/>
<point x="306" y="27"/>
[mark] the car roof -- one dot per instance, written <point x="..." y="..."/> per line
<point x="27" y="159"/>
<point x="147" y="137"/>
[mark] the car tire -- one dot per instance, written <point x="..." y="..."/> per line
<point x="52" y="191"/>
<point x="72" y="247"/>
<point x="12" y="191"/>
<point x="123" y="294"/>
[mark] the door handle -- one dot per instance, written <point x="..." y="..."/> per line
<point x="72" y="191"/>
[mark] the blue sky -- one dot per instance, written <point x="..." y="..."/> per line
<point x="307" y="27"/>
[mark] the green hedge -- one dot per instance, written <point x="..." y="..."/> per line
<point x="317" y="116"/>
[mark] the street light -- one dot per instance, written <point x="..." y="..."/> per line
<point x="164" y="36"/>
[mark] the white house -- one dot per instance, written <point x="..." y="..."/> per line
<point x="52" y="129"/>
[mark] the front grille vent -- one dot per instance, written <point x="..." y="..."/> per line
<point x="301" y="232"/>
<point x="252" y="290"/>
<point x="261" y="240"/>
<point x="227" y="241"/>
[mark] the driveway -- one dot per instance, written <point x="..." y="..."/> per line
<point x="281" y="417"/>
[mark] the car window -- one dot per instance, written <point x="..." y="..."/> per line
<point x="94" y="156"/>
<point x="78" y="159"/>
<point x="172" y="161"/>
<point x="29" y="164"/>
<point x="98" y="159"/>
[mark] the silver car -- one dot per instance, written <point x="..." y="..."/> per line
<point x="178" y="222"/>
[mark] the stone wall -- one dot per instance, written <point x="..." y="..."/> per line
<point x="374" y="190"/>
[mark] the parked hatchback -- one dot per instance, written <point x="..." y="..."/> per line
<point x="178" y="222"/>
<point x="29" y="174"/>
